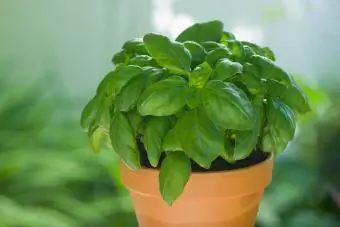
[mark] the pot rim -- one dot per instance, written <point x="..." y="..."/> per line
<point x="230" y="183"/>
<point x="268" y="159"/>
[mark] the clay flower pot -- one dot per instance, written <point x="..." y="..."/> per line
<point x="211" y="199"/>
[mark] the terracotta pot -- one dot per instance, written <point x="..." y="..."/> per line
<point x="213" y="199"/>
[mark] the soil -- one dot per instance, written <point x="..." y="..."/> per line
<point x="218" y="165"/>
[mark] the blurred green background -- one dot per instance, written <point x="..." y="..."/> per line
<point x="54" y="53"/>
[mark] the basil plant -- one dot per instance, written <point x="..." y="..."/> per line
<point x="203" y="96"/>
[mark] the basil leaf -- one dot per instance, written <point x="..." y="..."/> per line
<point x="128" y="97"/>
<point x="280" y="128"/>
<point x="270" y="70"/>
<point x="200" y="139"/>
<point x="123" y="141"/>
<point x="201" y="32"/>
<point x="171" y="142"/>
<point x="265" y="51"/>
<point x="229" y="151"/>
<point x="295" y="98"/>
<point x="210" y="46"/>
<point x="174" y="175"/>
<point x="252" y="80"/>
<point x="200" y="75"/>
<point x="196" y="50"/>
<point x="143" y="60"/>
<point x="243" y="87"/>
<point x="135" y="120"/>
<point x="252" y="83"/>
<point x="269" y="53"/>
<point x="135" y="46"/>
<point x="226" y="69"/>
<point x="248" y="52"/>
<point x="228" y="106"/>
<point x="97" y="138"/>
<point x="106" y="112"/>
<point x="117" y="79"/>
<point x="227" y="36"/>
<point x="90" y="114"/>
<point x="154" y="134"/>
<point x="195" y="97"/>
<point x="254" y="47"/>
<point x="163" y="98"/>
<point x="246" y="141"/>
<point x="96" y="113"/>
<point x="181" y="112"/>
<point x="292" y="96"/>
<point x="217" y="54"/>
<point x="251" y="69"/>
<point x="101" y="89"/>
<point x="172" y="55"/>
<point x="120" y="57"/>
<point x="237" y="50"/>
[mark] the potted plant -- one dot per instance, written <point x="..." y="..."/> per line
<point x="196" y="123"/>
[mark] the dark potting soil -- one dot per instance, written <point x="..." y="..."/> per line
<point x="218" y="165"/>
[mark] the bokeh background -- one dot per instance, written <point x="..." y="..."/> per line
<point x="54" y="53"/>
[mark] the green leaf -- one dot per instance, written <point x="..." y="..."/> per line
<point x="143" y="60"/>
<point x="200" y="139"/>
<point x="163" y="98"/>
<point x="294" y="97"/>
<point x="128" y="97"/>
<point x="237" y="50"/>
<point x="210" y="46"/>
<point x="263" y="51"/>
<point x="269" y="53"/>
<point x="252" y="80"/>
<point x="172" y="55"/>
<point x="120" y="57"/>
<point x="174" y="175"/>
<point x="280" y="127"/>
<point x="90" y="114"/>
<point x="217" y="54"/>
<point x="200" y="75"/>
<point x="135" y="120"/>
<point x="195" y="97"/>
<point x="252" y="83"/>
<point x="226" y="69"/>
<point x="96" y="113"/>
<point x="155" y="74"/>
<point x="252" y="69"/>
<point x="243" y="87"/>
<point x="181" y="112"/>
<point x="229" y="150"/>
<point x="154" y="134"/>
<point x="106" y="112"/>
<point x="246" y="141"/>
<point x="270" y="70"/>
<point x="97" y="138"/>
<point x="228" y="106"/>
<point x="171" y="142"/>
<point x="123" y="141"/>
<point x="254" y="47"/>
<point x="248" y="52"/>
<point x="201" y="32"/>
<point x="227" y="36"/>
<point x="196" y="50"/>
<point x="135" y="46"/>
<point x="113" y="82"/>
